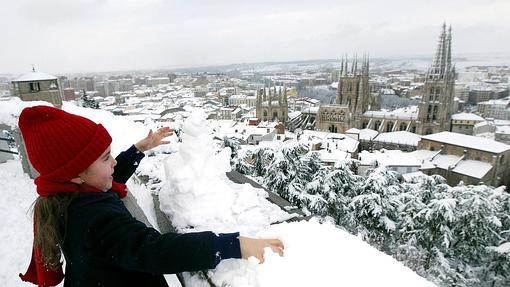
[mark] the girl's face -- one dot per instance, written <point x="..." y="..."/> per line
<point x="99" y="173"/>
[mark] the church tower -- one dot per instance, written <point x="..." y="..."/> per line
<point x="353" y="89"/>
<point x="272" y="104"/>
<point x="436" y="105"/>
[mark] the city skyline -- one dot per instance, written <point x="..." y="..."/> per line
<point x="91" y="35"/>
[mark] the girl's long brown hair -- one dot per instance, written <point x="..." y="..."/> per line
<point x="50" y="215"/>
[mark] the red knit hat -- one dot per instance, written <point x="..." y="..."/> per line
<point x="61" y="145"/>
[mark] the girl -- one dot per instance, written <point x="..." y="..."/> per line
<point x="79" y="212"/>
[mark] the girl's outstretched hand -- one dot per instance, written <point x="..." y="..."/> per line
<point x="154" y="139"/>
<point x="255" y="247"/>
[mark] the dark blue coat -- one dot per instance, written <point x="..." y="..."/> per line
<point x="105" y="246"/>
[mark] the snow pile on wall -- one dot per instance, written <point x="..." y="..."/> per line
<point x="317" y="255"/>
<point x="198" y="195"/>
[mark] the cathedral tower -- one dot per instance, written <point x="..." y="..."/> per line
<point x="436" y="105"/>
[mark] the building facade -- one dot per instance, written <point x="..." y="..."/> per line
<point x="463" y="123"/>
<point x="38" y="86"/>
<point x="497" y="109"/>
<point x="484" y="160"/>
<point x="352" y="101"/>
<point x="272" y="105"/>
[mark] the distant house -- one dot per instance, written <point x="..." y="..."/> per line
<point x="396" y="160"/>
<point x="38" y="86"/>
<point x="468" y="158"/>
<point x="463" y="123"/>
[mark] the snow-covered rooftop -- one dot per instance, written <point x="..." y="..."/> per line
<point x="367" y="134"/>
<point x="34" y="76"/>
<point x="503" y="130"/>
<point x="467" y="117"/>
<point x="407" y="113"/>
<point x="473" y="168"/>
<point x="333" y="156"/>
<point x="331" y="140"/>
<point x="389" y="158"/>
<point x="399" y="137"/>
<point x="468" y="141"/>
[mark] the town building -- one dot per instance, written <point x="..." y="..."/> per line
<point x="38" y="86"/>
<point x="470" y="159"/>
<point x="464" y="123"/>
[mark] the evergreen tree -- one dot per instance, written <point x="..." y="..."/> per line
<point x="87" y="102"/>
<point x="341" y="185"/>
<point x="376" y="207"/>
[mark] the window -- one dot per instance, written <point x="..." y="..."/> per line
<point x="434" y="114"/>
<point x="402" y="126"/>
<point x="389" y="127"/>
<point x="377" y="125"/>
<point x="35" y="87"/>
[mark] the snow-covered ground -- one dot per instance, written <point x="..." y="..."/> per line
<point x="316" y="254"/>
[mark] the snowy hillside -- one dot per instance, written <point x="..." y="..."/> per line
<point x="195" y="192"/>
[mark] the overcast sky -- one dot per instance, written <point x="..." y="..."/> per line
<point x="61" y="36"/>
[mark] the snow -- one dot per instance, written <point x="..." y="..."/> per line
<point x="503" y="130"/>
<point x="367" y="134"/>
<point x="473" y="168"/>
<point x="332" y="156"/>
<point x="467" y="117"/>
<point x="330" y="141"/>
<point x="388" y="158"/>
<point x="399" y="137"/>
<point x="503" y="248"/>
<point x="317" y="255"/>
<point x="445" y="161"/>
<point x="12" y="107"/>
<point x="413" y="175"/>
<point x="468" y="141"/>
<point x="18" y="194"/>
<point x="408" y="113"/>
<point x="34" y="76"/>
<point x="199" y="195"/>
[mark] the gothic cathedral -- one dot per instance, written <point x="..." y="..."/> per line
<point x="272" y="105"/>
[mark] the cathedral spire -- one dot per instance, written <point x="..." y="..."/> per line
<point x="441" y="59"/>
<point x="345" y="68"/>
<point x="449" y="48"/>
<point x="355" y="65"/>
<point x="342" y="67"/>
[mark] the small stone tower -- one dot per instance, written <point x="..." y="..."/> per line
<point x="38" y="86"/>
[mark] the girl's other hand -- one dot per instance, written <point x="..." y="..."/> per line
<point x="255" y="247"/>
<point x="154" y="139"/>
